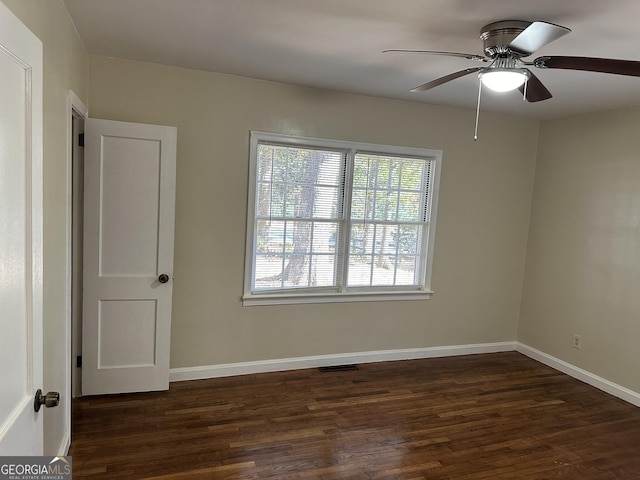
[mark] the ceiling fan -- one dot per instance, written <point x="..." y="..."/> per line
<point x="506" y="43"/>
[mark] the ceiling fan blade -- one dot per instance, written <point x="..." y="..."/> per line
<point x="590" y="64"/>
<point x="445" y="79"/>
<point x="468" y="56"/>
<point x="536" y="36"/>
<point x="535" y="91"/>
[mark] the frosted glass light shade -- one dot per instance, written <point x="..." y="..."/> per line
<point x="503" y="80"/>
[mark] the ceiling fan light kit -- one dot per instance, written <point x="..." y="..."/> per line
<point x="503" y="75"/>
<point x="500" y="80"/>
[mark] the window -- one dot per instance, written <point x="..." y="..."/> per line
<point x="338" y="221"/>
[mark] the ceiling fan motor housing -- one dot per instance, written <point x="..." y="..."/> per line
<point x="498" y="36"/>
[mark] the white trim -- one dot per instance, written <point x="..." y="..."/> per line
<point x="75" y="107"/>
<point x="332" y="297"/>
<point x="341" y="293"/>
<point x="296" y="363"/>
<point x="283" y="364"/>
<point x="580" y="374"/>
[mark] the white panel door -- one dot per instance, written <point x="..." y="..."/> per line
<point x="20" y="236"/>
<point x="129" y="172"/>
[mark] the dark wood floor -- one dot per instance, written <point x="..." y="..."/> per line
<point x="496" y="416"/>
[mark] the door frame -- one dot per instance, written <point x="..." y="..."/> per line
<point x="76" y="109"/>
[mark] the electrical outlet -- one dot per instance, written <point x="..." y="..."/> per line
<point x="577" y="341"/>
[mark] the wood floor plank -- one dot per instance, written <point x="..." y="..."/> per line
<point x="478" y="417"/>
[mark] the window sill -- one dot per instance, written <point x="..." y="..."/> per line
<point x="307" y="298"/>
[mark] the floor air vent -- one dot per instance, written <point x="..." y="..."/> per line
<point x="338" y="368"/>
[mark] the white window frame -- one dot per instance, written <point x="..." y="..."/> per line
<point x="343" y="293"/>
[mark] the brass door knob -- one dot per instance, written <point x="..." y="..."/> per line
<point x="51" y="399"/>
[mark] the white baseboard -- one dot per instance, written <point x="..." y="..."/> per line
<point x="580" y="374"/>
<point x="283" y="364"/>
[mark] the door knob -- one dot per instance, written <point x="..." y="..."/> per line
<point x="51" y="399"/>
<point x="163" y="278"/>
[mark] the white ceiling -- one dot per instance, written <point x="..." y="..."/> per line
<point x="336" y="44"/>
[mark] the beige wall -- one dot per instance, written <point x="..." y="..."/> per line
<point x="583" y="262"/>
<point x="65" y="67"/>
<point x="483" y="216"/>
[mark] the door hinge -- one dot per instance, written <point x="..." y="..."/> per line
<point x="81" y="140"/>
<point x="79" y="361"/>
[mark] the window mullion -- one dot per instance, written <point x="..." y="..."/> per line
<point x="373" y="248"/>
<point x="311" y="256"/>
<point x="397" y="218"/>
<point x="423" y="232"/>
<point x="345" y="224"/>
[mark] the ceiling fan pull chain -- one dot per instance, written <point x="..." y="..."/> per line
<point x="524" y="90"/>
<point x="475" y="133"/>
